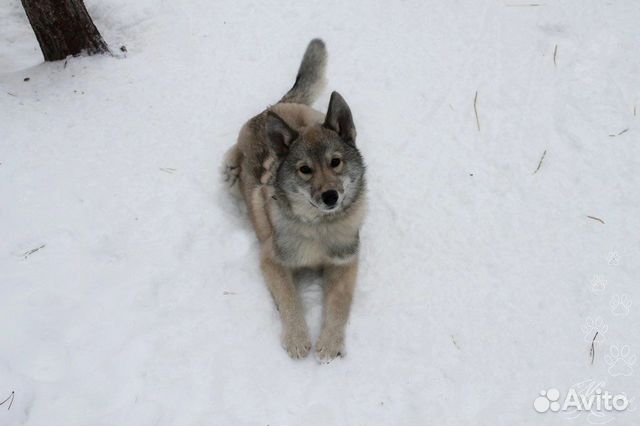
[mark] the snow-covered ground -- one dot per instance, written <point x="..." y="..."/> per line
<point x="482" y="283"/>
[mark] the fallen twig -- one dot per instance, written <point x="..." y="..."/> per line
<point x="30" y="252"/>
<point x="592" y="352"/>
<point x="475" y="109"/>
<point x="540" y="162"/>
<point x="596" y="218"/>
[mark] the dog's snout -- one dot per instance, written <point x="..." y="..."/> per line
<point x="330" y="198"/>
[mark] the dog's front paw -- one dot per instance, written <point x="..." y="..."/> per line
<point x="329" y="346"/>
<point x="296" y="342"/>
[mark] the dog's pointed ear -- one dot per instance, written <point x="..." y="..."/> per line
<point x="279" y="134"/>
<point x="339" y="119"/>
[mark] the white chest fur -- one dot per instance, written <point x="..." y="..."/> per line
<point x="299" y="244"/>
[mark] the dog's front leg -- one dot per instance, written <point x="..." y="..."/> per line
<point x="295" y="334"/>
<point x="339" y="286"/>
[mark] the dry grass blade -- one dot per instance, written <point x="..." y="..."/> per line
<point x="596" y="218"/>
<point x="454" y="342"/>
<point x="10" y="397"/>
<point x="621" y="132"/>
<point x="555" y="55"/>
<point x="540" y="162"/>
<point x="475" y="110"/>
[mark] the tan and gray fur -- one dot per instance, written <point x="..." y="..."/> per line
<point x="302" y="178"/>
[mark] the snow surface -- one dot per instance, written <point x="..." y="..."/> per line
<point x="482" y="283"/>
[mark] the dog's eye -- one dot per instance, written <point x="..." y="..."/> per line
<point x="305" y="170"/>
<point x="335" y="162"/>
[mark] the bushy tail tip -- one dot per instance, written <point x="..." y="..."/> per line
<point x="311" y="75"/>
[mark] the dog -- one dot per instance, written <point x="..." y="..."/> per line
<point x="303" y="180"/>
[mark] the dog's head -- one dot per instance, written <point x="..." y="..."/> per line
<point x="321" y="172"/>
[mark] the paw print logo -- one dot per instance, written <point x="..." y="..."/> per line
<point x="620" y="361"/>
<point x="614" y="258"/>
<point x="548" y="400"/>
<point x="620" y="305"/>
<point x="598" y="284"/>
<point x="593" y="325"/>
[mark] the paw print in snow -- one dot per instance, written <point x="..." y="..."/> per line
<point x="591" y="326"/>
<point x="620" y="361"/>
<point x="620" y="305"/>
<point x="598" y="284"/>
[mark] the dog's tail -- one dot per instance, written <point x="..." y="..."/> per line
<point x="310" y="80"/>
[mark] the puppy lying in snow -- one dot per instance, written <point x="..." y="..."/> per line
<point x="302" y="178"/>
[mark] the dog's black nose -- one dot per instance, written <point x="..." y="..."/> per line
<point x="330" y="198"/>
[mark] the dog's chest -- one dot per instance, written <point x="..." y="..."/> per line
<point x="303" y="245"/>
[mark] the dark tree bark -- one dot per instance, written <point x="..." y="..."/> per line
<point x="63" y="28"/>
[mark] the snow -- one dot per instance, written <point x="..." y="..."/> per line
<point x="482" y="283"/>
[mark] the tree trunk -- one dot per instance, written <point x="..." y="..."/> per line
<point x="63" y="28"/>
